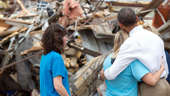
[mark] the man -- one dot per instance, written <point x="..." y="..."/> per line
<point x="142" y="44"/>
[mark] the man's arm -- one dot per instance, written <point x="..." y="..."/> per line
<point x="152" y="78"/>
<point x="129" y="51"/>
<point x="58" y="85"/>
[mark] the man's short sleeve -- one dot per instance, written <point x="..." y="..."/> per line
<point x="128" y="52"/>
<point x="138" y="69"/>
<point x="58" y="67"/>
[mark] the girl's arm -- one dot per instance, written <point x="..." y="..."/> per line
<point x="58" y="85"/>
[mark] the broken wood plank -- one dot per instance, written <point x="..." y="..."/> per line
<point x="153" y="5"/>
<point x="84" y="50"/>
<point x="164" y="27"/>
<point x="16" y="21"/>
<point x="82" y="83"/>
<point x="8" y="37"/>
<point x="3" y="26"/>
<point x="12" y="35"/>
<point x="26" y="16"/>
<point x="4" y="33"/>
<point x="128" y="4"/>
<point x="10" y="30"/>
<point x="36" y="32"/>
<point x="33" y="49"/>
<point x="20" y="61"/>
<point x="22" y="6"/>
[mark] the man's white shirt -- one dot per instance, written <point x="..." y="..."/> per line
<point x="143" y="45"/>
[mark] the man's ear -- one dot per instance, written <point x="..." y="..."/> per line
<point x="137" y="18"/>
<point x="121" y="25"/>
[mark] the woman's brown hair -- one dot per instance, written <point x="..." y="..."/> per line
<point x="52" y="39"/>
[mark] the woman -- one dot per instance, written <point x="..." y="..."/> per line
<point x="126" y="84"/>
<point x="53" y="73"/>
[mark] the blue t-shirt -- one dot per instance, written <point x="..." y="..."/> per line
<point x="126" y="83"/>
<point x="51" y="66"/>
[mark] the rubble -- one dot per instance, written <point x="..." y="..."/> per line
<point x="91" y="28"/>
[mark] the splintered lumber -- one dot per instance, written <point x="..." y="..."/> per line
<point x="8" y="37"/>
<point x="127" y="4"/>
<point x="26" y="16"/>
<point x="20" y="61"/>
<point x="12" y="35"/>
<point x="153" y="5"/>
<point x="4" y="33"/>
<point x="164" y="27"/>
<point x="22" y="6"/>
<point x="32" y="49"/>
<point x="10" y="30"/>
<point x="16" y="21"/>
<point x="82" y="82"/>
<point x="84" y="50"/>
<point x="3" y="26"/>
<point x="36" y="32"/>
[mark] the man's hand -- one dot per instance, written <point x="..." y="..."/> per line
<point x="102" y="74"/>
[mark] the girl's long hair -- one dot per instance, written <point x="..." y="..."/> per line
<point x="52" y="39"/>
<point x="120" y="37"/>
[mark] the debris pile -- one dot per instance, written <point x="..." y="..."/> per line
<point x="91" y="27"/>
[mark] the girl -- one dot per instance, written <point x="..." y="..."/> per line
<point x="53" y="73"/>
